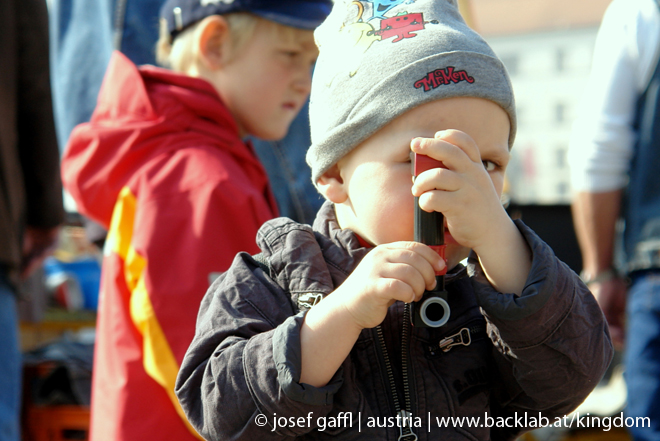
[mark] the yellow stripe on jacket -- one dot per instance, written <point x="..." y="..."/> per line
<point x="158" y="358"/>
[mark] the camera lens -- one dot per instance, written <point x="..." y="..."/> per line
<point x="434" y="312"/>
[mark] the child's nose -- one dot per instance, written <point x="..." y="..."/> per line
<point x="303" y="83"/>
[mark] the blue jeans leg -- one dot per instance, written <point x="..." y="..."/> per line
<point x="642" y="358"/>
<point x="10" y="365"/>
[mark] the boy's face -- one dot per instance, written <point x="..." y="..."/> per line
<point x="376" y="176"/>
<point x="268" y="81"/>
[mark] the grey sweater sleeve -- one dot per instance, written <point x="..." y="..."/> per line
<point x="245" y="362"/>
<point x="551" y="339"/>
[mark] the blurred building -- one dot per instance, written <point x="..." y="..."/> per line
<point x="547" y="47"/>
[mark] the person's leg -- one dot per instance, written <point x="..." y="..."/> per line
<point x="10" y="364"/>
<point x="642" y="357"/>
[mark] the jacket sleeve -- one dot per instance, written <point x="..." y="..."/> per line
<point x="552" y="344"/>
<point x="39" y="155"/>
<point x="243" y="366"/>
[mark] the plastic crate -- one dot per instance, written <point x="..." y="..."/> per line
<point x="57" y="423"/>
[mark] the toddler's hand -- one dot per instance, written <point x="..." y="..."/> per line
<point x="465" y="192"/>
<point x="389" y="272"/>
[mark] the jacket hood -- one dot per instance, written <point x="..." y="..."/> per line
<point x="141" y="113"/>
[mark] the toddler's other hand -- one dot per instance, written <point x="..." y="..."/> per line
<point x="465" y="190"/>
<point x="389" y="272"/>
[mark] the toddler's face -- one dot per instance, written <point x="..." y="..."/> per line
<point x="377" y="174"/>
<point x="268" y="82"/>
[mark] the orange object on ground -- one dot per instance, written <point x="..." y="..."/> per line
<point x="57" y="423"/>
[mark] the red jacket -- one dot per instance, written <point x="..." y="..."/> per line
<point x="162" y="166"/>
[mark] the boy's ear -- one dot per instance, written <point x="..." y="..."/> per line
<point x="331" y="185"/>
<point x="213" y="42"/>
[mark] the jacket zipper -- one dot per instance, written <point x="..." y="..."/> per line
<point x="405" y="431"/>
<point x="463" y="337"/>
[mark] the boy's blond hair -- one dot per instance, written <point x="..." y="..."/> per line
<point x="182" y="54"/>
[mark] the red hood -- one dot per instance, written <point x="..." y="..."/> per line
<point x="141" y="113"/>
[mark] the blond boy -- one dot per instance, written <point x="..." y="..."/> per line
<point x="525" y="337"/>
<point x="163" y="165"/>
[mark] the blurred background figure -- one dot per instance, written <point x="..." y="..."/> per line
<point x="547" y="47"/>
<point x="614" y="157"/>
<point x="163" y="163"/>
<point x="83" y="35"/>
<point x="30" y="188"/>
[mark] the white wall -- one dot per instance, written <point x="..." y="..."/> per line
<point x="546" y="99"/>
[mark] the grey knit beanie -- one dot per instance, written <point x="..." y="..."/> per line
<point x="381" y="58"/>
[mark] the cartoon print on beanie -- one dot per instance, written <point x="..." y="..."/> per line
<point x="382" y="7"/>
<point x="402" y="25"/>
<point x="358" y="35"/>
<point x="363" y="33"/>
<point x="355" y="38"/>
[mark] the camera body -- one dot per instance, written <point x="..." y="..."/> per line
<point x="432" y="311"/>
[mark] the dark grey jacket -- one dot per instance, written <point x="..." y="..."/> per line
<point x="541" y="352"/>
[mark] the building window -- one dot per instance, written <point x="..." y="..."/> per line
<point x="563" y="189"/>
<point x="561" y="157"/>
<point x="560" y="60"/>
<point x="560" y="113"/>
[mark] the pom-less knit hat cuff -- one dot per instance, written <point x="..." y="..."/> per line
<point x="426" y="83"/>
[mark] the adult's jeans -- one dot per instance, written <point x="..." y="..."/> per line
<point x="83" y="34"/>
<point x="642" y="357"/>
<point x="10" y="363"/>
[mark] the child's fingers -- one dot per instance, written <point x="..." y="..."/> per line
<point x="441" y="150"/>
<point x="420" y="256"/>
<point x="397" y="289"/>
<point x="436" y="200"/>
<point x="409" y="275"/>
<point x="454" y="148"/>
<point x="461" y="140"/>
<point x="436" y="179"/>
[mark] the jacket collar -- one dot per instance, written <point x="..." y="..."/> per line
<point x="316" y="260"/>
<point x="326" y="223"/>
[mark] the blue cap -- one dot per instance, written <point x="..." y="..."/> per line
<point x="303" y="14"/>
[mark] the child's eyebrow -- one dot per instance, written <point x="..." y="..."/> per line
<point x="497" y="155"/>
